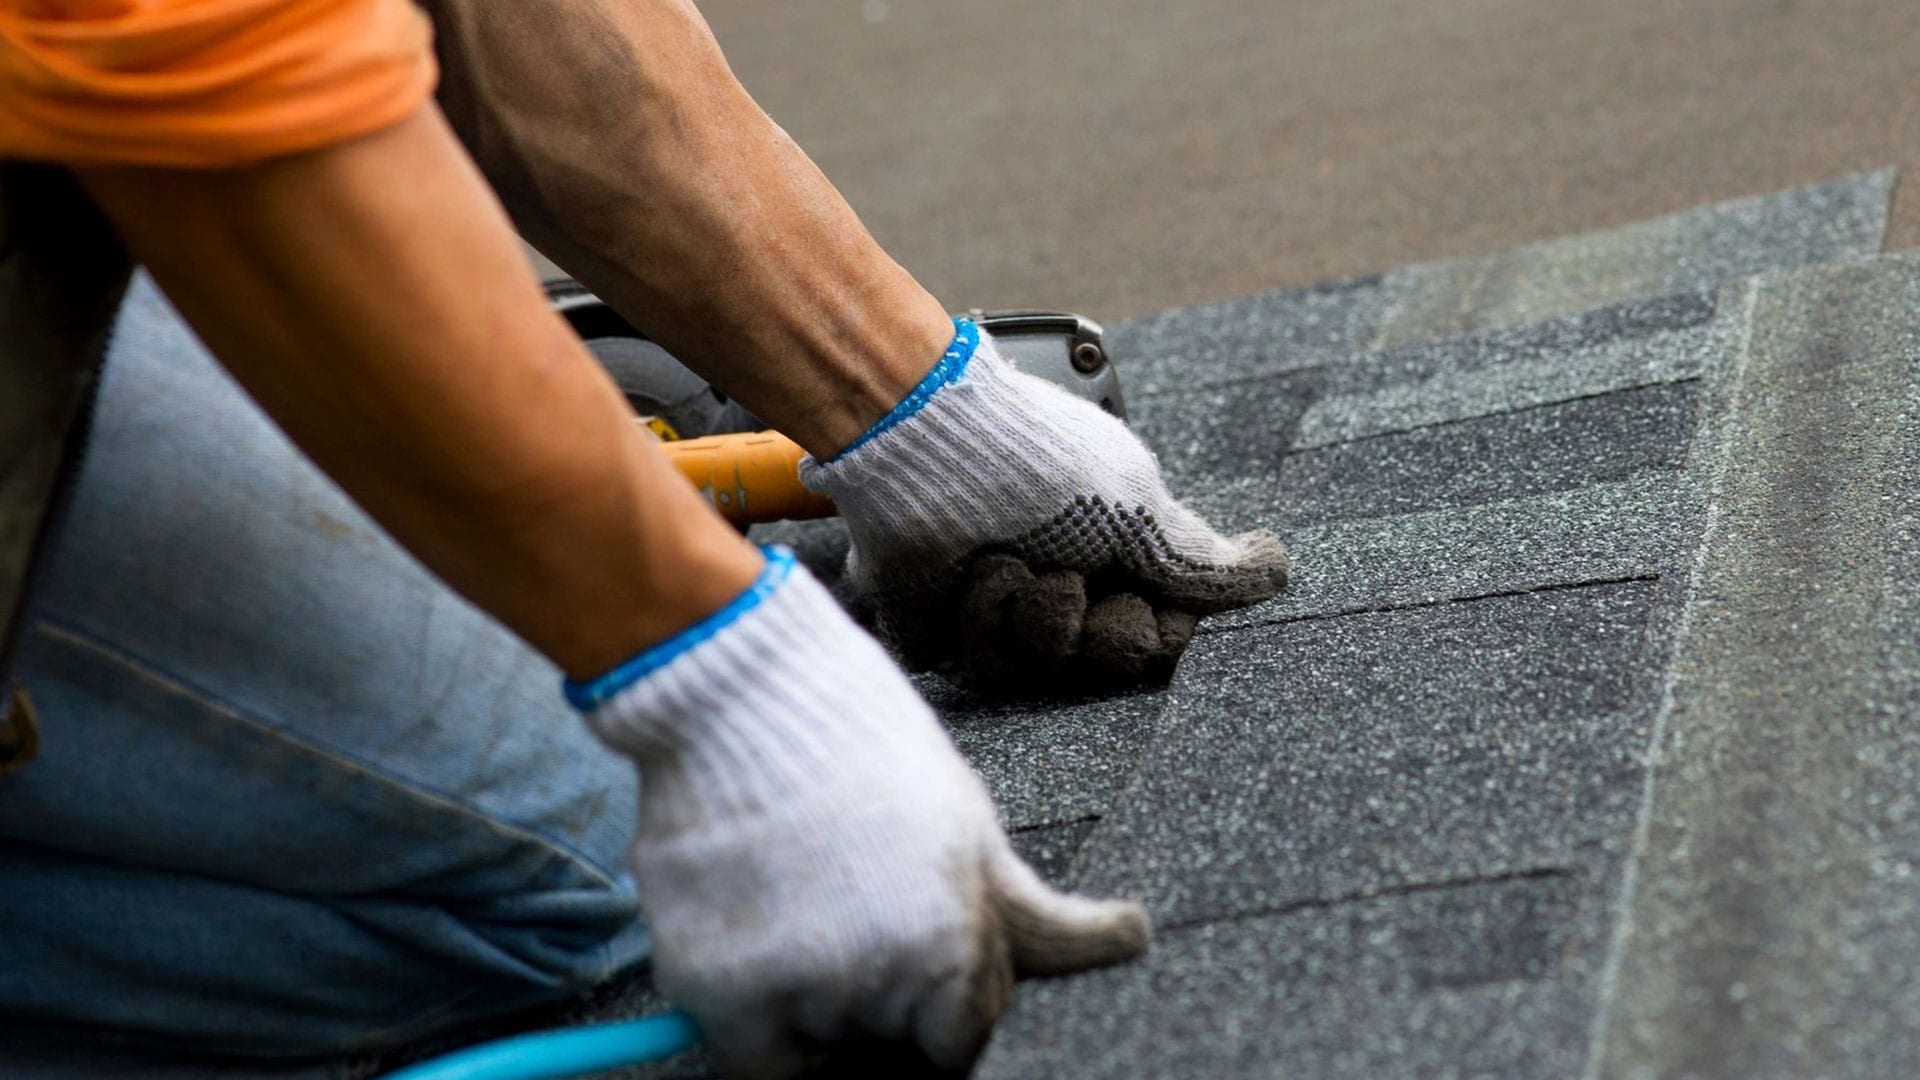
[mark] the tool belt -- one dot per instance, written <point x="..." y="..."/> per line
<point x="62" y="274"/>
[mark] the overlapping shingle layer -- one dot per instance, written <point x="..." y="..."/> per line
<point x="1582" y="743"/>
<point x="1397" y="821"/>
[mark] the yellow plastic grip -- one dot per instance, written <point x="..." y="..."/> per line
<point x="750" y="478"/>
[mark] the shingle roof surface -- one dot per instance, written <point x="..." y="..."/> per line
<point x="1389" y="822"/>
<point x="1556" y="515"/>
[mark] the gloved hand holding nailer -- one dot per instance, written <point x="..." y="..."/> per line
<point x="1018" y="534"/>
<point x="350" y="783"/>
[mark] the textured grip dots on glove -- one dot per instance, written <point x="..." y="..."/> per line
<point x="1094" y="532"/>
<point x="1003" y="465"/>
<point x="1028" y="627"/>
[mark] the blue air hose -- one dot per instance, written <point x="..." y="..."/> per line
<point x="567" y="1052"/>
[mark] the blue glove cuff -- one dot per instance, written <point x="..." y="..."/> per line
<point x="951" y="365"/>
<point x="587" y="696"/>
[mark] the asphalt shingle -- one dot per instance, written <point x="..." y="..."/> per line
<point x="1637" y="528"/>
<point x="1340" y="757"/>
<point x="1532" y="451"/>
<point x="1259" y="334"/>
<point x="1051" y="849"/>
<point x="1472" y="979"/>
<point x="1831" y="222"/>
<point x="1463" y="421"/>
<point x="1051" y="764"/>
<point x="1688" y="252"/>
<point x="1228" y="433"/>
<point x="1494" y="538"/>
<point x="1617" y="348"/>
<point x="1776" y="908"/>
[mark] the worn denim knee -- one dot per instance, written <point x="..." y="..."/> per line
<point x="293" y="795"/>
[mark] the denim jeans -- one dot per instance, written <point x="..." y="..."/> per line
<point x="294" y="797"/>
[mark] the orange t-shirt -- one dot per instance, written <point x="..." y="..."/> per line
<point x="204" y="83"/>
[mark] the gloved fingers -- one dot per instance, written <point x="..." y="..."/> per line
<point x="991" y="578"/>
<point x="959" y="1016"/>
<point x="861" y="1056"/>
<point x="938" y="1034"/>
<point x="1122" y="640"/>
<point x="1176" y="632"/>
<point x="918" y="1014"/>
<point x="1045" y="617"/>
<point x="1006" y="607"/>
<point x="1128" y="643"/>
<point x="1024" y="634"/>
<point x="816" y="1032"/>
<point x="1255" y="570"/>
<point x="1017" y="629"/>
<point x="1055" y="933"/>
<point x="759" y="1043"/>
<point x="952" y="1021"/>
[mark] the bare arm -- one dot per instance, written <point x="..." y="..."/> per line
<point x="372" y="298"/>
<point x="626" y="150"/>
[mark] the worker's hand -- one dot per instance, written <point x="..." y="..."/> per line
<point x="825" y="879"/>
<point x="1012" y="531"/>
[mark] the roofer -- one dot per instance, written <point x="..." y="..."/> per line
<point x="296" y="796"/>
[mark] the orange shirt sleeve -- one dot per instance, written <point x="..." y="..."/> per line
<point x="204" y="83"/>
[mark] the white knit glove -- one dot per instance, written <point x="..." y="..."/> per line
<point x="1013" y="533"/>
<point x="825" y="878"/>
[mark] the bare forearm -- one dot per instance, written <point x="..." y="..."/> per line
<point x="627" y="151"/>
<point x="371" y="298"/>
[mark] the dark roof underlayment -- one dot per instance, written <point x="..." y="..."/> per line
<point x="1578" y="746"/>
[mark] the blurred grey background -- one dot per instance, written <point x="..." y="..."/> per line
<point x="1122" y="156"/>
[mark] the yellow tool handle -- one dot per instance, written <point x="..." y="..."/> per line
<point x="750" y="478"/>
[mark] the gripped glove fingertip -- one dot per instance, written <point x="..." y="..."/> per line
<point x="983" y="459"/>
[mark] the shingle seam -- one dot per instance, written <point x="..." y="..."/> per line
<point x="1321" y="448"/>
<point x="1524" y="342"/>
<point x="1385" y="892"/>
<point x="1060" y="823"/>
<point x="1554" y="586"/>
